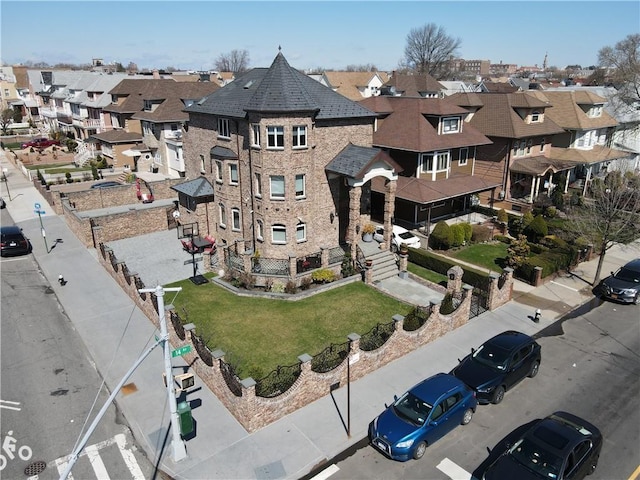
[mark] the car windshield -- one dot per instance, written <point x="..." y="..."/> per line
<point x="628" y="275"/>
<point x="412" y="408"/>
<point x="493" y="357"/>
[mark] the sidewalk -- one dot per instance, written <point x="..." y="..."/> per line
<point x="116" y="333"/>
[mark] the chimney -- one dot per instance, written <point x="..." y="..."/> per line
<point x="156" y="73"/>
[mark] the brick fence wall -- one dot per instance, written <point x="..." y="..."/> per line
<point x="255" y="412"/>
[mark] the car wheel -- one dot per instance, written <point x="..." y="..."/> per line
<point x="534" y="369"/>
<point x="498" y="395"/>
<point x="418" y="453"/>
<point x="637" y="299"/>
<point x="468" y="415"/>
<point x="592" y="467"/>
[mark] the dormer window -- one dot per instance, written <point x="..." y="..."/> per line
<point x="595" y="111"/>
<point x="148" y="105"/>
<point x="451" y="125"/>
<point x="536" y="116"/>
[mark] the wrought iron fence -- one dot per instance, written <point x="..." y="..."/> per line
<point x="336" y="254"/>
<point x="416" y="318"/>
<point x="377" y="336"/>
<point x="176" y="321"/>
<point x="113" y="260"/>
<point x="234" y="261"/>
<point x="271" y="266"/>
<point x="310" y="262"/>
<point x="139" y="286"/>
<point x="278" y="381"/>
<point x="201" y="347"/>
<point x="330" y="357"/>
<point x="230" y="377"/>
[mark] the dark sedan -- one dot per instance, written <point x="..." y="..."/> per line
<point x="499" y="364"/>
<point x="561" y="447"/>
<point x="13" y="241"/>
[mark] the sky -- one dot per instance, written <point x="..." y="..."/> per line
<point x="190" y="35"/>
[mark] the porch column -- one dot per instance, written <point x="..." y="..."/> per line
<point x="537" y="188"/>
<point x="389" y="207"/>
<point x="534" y="181"/>
<point x="566" y="183"/>
<point x="353" y="229"/>
<point x="586" y="181"/>
<point x="550" y="184"/>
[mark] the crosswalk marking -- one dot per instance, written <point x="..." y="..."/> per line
<point x="452" y="470"/>
<point x="92" y="452"/>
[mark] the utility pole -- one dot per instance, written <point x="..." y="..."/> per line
<point x="177" y="444"/>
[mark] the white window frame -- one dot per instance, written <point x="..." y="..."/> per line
<point x="235" y="219"/>
<point x="595" y="111"/>
<point x="203" y="166"/>
<point x="219" y="171"/>
<point x="426" y="162"/>
<point x="223" y="128"/>
<point x="222" y="215"/>
<point x="536" y="116"/>
<point x="255" y="138"/>
<point x="448" y="127"/>
<point x="521" y="148"/>
<point x="301" y="232"/>
<point x="275" y="137"/>
<point x="233" y="172"/>
<point x="463" y="157"/>
<point x="281" y="229"/>
<point x="299" y="136"/>
<point x="259" y="230"/>
<point x="303" y="192"/>
<point x="258" y="185"/>
<point x="272" y="179"/>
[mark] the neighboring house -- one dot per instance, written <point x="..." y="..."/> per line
<point x="519" y="157"/>
<point x="436" y="149"/>
<point x="423" y="86"/>
<point x="588" y="130"/>
<point x="455" y="86"/>
<point x="626" y="136"/>
<point x="8" y="91"/>
<point x="285" y="160"/>
<point x="355" y="85"/>
<point x="148" y="120"/>
<point x="497" y="87"/>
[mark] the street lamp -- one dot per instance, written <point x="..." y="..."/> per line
<point x="6" y="182"/>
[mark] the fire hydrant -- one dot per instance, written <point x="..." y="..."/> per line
<point x="537" y="316"/>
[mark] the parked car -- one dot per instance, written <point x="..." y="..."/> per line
<point x="106" y="184"/>
<point x="40" y="143"/>
<point x="561" y="446"/>
<point x="422" y="415"/>
<point x="624" y="285"/>
<point x="399" y="235"/>
<point x="13" y="241"/>
<point x="499" y="364"/>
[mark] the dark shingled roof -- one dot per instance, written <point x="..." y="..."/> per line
<point x="200" y="187"/>
<point x="222" y="153"/>
<point x="278" y="89"/>
<point x="118" y="136"/>
<point x="353" y="161"/>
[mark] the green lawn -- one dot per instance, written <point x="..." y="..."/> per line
<point x="259" y="334"/>
<point x="491" y="256"/>
<point x="427" y="274"/>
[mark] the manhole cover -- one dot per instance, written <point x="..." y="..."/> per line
<point x="35" y="468"/>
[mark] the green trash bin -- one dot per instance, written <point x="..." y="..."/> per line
<point x="186" y="420"/>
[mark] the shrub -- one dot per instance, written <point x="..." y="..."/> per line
<point x="246" y="280"/>
<point x="502" y="238"/>
<point x="277" y="287"/>
<point x="518" y="252"/>
<point x="268" y="283"/>
<point x="503" y="217"/>
<point x="480" y="233"/>
<point x="551" y="212"/>
<point x="94" y="172"/>
<point x="68" y="177"/>
<point x="447" y="307"/>
<point x="290" y="287"/>
<point x="441" y="238"/>
<point x="323" y="275"/>
<point x="347" y="268"/>
<point x="305" y="283"/>
<point x="468" y="231"/>
<point x="536" y="229"/>
<point x="527" y="218"/>
<point x="457" y="235"/>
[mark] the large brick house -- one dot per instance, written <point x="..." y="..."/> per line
<point x="276" y="163"/>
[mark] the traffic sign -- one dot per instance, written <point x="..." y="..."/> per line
<point x="36" y="206"/>
<point x="39" y="212"/>
<point x="178" y="352"/>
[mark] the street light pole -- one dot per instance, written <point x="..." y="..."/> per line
<point x="177" y="444"/>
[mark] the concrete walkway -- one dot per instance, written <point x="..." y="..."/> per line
<point x="116" y="332"/>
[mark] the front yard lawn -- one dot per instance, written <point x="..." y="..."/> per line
<point x="258" y="334"/>
<point x="491" y="256"/>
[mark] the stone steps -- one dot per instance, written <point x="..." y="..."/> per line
<point x="384" y="265"/>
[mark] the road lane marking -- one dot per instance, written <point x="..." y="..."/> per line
<point x="61" y="465"/>
<point x="96" y="462"/>
<point x="565" y="286"/>
<point x="452" y="470"/>
<point x="326" y="473"/>
<point x="129" y="458"/>
<point x="10" y="405"/>
<point x="635" y="473"/>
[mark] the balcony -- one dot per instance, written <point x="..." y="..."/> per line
<point x="86" y="123"/>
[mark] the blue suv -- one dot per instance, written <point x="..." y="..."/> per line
<point x="422" y="415"/>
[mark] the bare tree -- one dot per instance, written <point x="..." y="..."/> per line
<point x="611" y="214"/>
<point x="429" y="50"/>
<point x="236" y="61"/>
<point x="623" y="60"/>
<point x="6" y="119"/>
<point x="369" y="67"/>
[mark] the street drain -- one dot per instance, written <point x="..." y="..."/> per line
<point x="129" y="388"/>
<point x="35" y="468"/>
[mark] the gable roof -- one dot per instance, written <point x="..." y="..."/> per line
<point x="406" y="126"/>
<point x="349" y="84"/>
<point x="278" y="89"/>
<point x="565" y="109"/>
<point x="414" y="85"/>
<point x="498" y="117"/>
<point x="353" y="161"/>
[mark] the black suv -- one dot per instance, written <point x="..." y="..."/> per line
<point x="13" y="241"/>
<point x="624" y="285"/>
<point x="499" y="364"/>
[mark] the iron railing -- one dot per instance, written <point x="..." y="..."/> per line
<point x="330" y="357"/>
<point x="278" y="381"/>
<point x="377" y="336"/>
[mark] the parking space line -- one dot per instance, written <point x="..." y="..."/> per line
<point x="326" y="473"/>
<point x="96" y="462"/>
<point x="452" y="470"/>
<point x="565" y="286"/>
